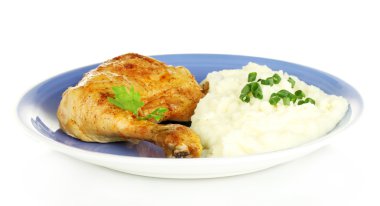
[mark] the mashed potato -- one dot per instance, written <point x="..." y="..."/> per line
<point x="230" y="127"/>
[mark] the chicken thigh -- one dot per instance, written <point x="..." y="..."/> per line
<point x="85" y="113"/>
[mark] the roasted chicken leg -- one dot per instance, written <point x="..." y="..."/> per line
<point x="85" y="113"/>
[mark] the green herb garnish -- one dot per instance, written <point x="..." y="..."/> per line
<point x="268" y="81"/>
<point x="284" y="93"/>
<point x="292" y="82"/>
<point x="276" y="79"/>
<point x="244" y="94"/>
<point x="245" y="98"/>
<point x="307" y="100"/>
<point x="254" y="87"/>
<point x="310" y="100"/>
<point x="246" y="89"/>
<point x="256" y="90"/>
<point x="286" y="101"/>
<point x="300" y="102"/>
<point x="131" y="101"/>
<point x="274" y="99"/>
<point x="299" y="94"/>
<point x="252" y="76"/>
<point x="157" y="114"/>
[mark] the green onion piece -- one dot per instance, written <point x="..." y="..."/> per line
<point x="310" y="100"/>
<point x="299" y="94"/>
<point x="286" y="101"/>
<point x="273" y="95"/>
<point x="301" y="102"/>
<point x="253" y="86"/>
<point x="268" y="81"/>
<point x="259" y="95"/>
<point x="245" y="92"/>
<point x="293" y="98"/>
<point x="276" y="78"/>
<point x="284" y="93"/>
<point x="271" y="81"/>
<point x="274" y="99"/>
<point x="292" y="82"/>
<point x="246" y="89"/>
<point x="256" y="90"/>
<point x="252" y="76"/>
<point x="264" y="82"/>
<point x="245" y="98"/>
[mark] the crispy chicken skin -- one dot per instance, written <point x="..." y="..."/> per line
<point x="85" y="113"/>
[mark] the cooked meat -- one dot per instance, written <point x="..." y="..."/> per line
<point x="85" y="113"/>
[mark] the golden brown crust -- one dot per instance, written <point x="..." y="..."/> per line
<point x="85" y="112"/>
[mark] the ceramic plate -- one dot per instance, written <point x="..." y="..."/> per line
<point x="37" y="112"/>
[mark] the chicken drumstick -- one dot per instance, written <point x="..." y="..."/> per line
<point x="85" y="112"/>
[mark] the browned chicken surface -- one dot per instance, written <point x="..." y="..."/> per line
<point x="85" y="112"/>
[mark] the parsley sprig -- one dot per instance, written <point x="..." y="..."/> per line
<point x="131" y="101"/>
<point x="157" y="114"/>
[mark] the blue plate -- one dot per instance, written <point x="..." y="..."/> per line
<point x="42" y="101"/>
<point x="37" y="108"/>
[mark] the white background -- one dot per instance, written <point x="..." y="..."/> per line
<point x="42" y="38"/>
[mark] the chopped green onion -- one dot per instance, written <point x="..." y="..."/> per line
<point x="310" y="100"/>
<point x="245" y="98"/>
<point x="252" y="76"/>
<point x="264" y="82"/>
<point x="301" y="102"/>
<point x="292" y="82"/>
<point x="299" y="94"/>
<point x="246" y="89"/>
<point x="274" y="99"/>
<point x="259" y="94"/>
<point x="256" y="90"/>
<point x="307" y="100"/>
<point x="293" y="98"/>
<point x="284" y="93"/>
<point x="271" y="81"/>
<point x="254" y="86"/>
<point x="273" y="95"/>
<point x="268" y="81"/>
<point x="286" y="101"/>
<point x="276" y="78"/>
